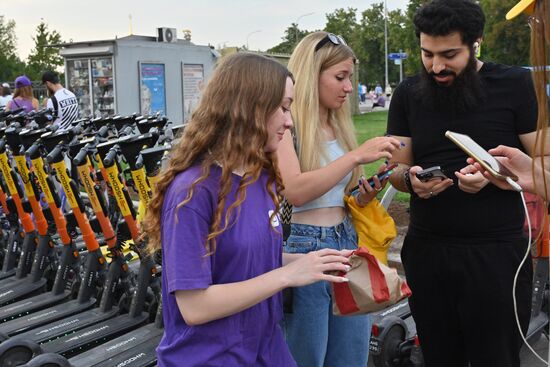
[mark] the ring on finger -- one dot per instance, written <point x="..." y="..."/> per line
<point x="378" y="189"/>
<point x="432" y="194"/>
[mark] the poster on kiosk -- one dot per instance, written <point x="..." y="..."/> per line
<point x="152" y="91"/>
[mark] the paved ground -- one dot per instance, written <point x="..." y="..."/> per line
<point x="367" y="106"/>
<point x="529" y="360"/>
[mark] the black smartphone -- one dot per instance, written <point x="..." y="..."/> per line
<point x="381" y="176"/>
<point x="431" y="173"/>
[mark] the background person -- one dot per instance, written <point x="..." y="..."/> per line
<point x="378" y="89"/>
<point x="363" y="92"/>
<point x="316" y="176"/>
<point x="5" y="94"/>
<point x="465" y="239"/>
<point x="23" y="96"/>
<point x="379" y="101"/>
<point x="215" y="214"/>
<point x="62" y="101"/>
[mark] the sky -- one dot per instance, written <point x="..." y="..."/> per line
<point x="260" y="23"/>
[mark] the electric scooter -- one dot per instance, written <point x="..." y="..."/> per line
<point x="137" y="347"/>
<point x="57" y="339"/>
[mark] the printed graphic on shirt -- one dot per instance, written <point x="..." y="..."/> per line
<point x="68" y="110"/>
<point x="274" y="220"/>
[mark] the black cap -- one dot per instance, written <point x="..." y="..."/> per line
<point x="50" y="76"/>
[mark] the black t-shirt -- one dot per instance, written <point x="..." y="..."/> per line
<point x="508" y="110"/>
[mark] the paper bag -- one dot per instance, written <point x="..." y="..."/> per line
<point x="372" y="286"/>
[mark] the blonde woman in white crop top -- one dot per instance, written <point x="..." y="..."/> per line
<point x="318" y="167"/>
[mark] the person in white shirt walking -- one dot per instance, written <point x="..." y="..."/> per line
<point x="62" y="101"/>
<point x="5" y="94"/>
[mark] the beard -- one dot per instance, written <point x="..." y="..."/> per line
<point x="463" y="94"/>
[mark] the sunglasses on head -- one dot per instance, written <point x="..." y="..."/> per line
<point x="330" y="37"/>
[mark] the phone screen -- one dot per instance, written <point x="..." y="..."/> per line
<point x="382" y="175"/>
<point x="474" y="150"/>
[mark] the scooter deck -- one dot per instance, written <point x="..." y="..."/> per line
<point x="21" y="289"/>
<point x="29" y="305"/>
<point x="143" y="355"/>
<point x="401" y="309"/>
<point x="90" y="336"/>
<point x="8" y="282"/>
<point x="104" y="354"/>
<point x="7" y="274"/>
<point x="44" y="316"/>
<point x="536" y="325"/>
<point x="68" y="325"/>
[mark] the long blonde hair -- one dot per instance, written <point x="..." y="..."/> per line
<point x="540" y="37"/>
<point x="227" y="128"/>
<point x="23" y="92"/>
<point x="306" y="65"/>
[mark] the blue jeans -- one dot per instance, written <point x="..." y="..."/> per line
<point x="315" y="336"/>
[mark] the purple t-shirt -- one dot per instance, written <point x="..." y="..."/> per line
<point x="18" y="102"/>
<point x="250" y="247"/>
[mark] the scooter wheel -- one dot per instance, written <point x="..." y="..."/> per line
<point x="16" y="356"/>
<point x="49" y="360"/>
<point x="389" y="356"/>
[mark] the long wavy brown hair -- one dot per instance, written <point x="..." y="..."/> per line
<point x="228" y="128"/>
<point x="540" y="38"/>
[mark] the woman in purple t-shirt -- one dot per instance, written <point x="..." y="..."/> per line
<point x="214" y="215"/>
<point x="23" y="97"/>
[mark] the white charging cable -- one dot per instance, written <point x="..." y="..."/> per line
<point x="518" y="188"/>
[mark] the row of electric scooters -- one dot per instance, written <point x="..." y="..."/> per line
<point x="77" y="287"/>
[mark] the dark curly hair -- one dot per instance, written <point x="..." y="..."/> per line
<point x="442" y="17"/>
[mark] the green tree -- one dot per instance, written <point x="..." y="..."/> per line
<point x="43" y="57"/>
<point x="343" y="23"/>
<point x="10" y="64"/>
<point x="396" y="37"/>
<point x="411" y="43"/>
<point x="505" y="41"/>
<point x="8" y="39"/>
<point x="371" y="45"/>
<point x="366" y="38"/>
<point x="292" y="36"/>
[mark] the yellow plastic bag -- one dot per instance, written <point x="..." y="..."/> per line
<point x="374" y="226"/>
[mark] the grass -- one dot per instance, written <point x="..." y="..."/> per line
<point x="370" y="125"/>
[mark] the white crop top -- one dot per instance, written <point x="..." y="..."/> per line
<point x="335" y="196"/>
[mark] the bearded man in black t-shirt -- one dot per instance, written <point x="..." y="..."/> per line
<point x="465" y="239"/>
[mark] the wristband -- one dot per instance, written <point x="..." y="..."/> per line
<point x="407" y="178"/>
